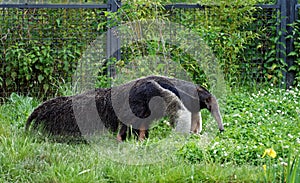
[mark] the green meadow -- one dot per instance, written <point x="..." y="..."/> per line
<point x="261" y="143"/>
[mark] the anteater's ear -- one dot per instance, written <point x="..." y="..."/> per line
<point x="208" y="103"/>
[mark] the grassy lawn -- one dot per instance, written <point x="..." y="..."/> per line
<point x="254" y="122"/>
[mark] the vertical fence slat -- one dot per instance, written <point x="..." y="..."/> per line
<point x="286" y="41"/>
<point x="113" y="50"/>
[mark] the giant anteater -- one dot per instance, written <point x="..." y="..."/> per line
<point x="135" y="104"/>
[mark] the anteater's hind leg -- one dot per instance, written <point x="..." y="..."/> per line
<point x="122" y="133"/>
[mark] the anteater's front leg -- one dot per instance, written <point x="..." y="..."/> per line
<point x="196" y="126"/>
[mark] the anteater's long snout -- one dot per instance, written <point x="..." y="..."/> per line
<point x="215" y="112"/>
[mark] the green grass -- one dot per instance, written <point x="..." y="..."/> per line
<point x="268" y="118"/>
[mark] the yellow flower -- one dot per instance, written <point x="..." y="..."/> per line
<point x="265" y="168"/>
<point x="270" y="152"/>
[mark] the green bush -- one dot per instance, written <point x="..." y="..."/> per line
<point x="41" y="47"/>
<point x="235" y="31"/>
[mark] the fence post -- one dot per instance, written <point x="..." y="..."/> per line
<point x="113" y="51"/>
<point x="291" y="13"/>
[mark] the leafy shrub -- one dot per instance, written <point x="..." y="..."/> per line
<point x="224" y="25"/>
<point x="41" y="47"/>
<point x="242" y="37"/>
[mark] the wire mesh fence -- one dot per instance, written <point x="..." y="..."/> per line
<point x="256" y="54"/>
<point x="40" y="46"/>
<point x="261" y="51"/>
<point x="42" y="41"/>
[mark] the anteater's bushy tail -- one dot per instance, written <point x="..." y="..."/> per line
<point x="33" y="116"/>
<point x="39" y="113"/>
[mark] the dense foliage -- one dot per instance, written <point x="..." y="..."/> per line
<point x="41" y="48"/>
